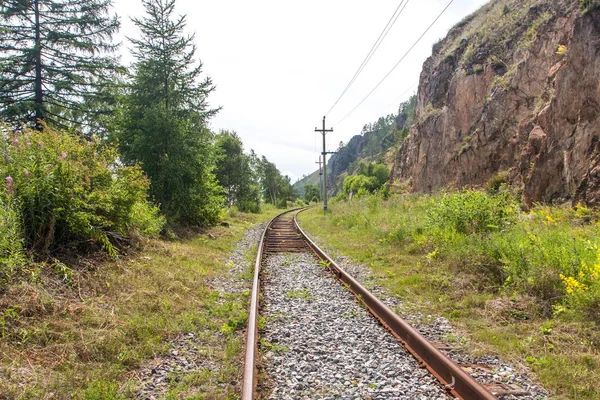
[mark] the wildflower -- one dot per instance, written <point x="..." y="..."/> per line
<point x="63" y="155"/>
<point x="27" y="173"/>
<point x="28" y="144"/>
<point x="15" y="141"/>
<point x="572" y="285"/>
<point x="9" y="180"/>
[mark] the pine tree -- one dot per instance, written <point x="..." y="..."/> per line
<point x="55" y="56"/>
<point x="165" y="123"/>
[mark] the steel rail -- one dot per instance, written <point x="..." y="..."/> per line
<point x="250" y="377"/>
<point x="458" y="382"/>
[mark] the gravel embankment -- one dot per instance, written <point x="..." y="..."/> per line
<point x="319" y="343"/>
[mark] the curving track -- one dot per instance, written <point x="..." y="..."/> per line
<point x="283" y="236"/>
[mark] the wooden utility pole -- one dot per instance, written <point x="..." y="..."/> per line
<point x="324" y="154"/>
<point x="320" y="176"/>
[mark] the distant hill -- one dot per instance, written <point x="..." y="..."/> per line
<point x="377" y="142"/>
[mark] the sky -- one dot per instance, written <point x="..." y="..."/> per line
<point x="280" y="65"/>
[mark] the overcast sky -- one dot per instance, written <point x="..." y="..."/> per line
<point x="280" y="65"/>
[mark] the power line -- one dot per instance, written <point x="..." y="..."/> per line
<point x="374" y="48"/>
<point x="399" y="97"/>
<point x="398" y="63"/>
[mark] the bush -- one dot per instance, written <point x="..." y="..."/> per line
<point x="588" y="4"/>
<point x="72" y="192"/>
<point x="356" y="183"/>
<point x="472" y="211"/>
<point x="11" y="242"/>
<point x="249" y="206"/>
<point x="547" y="249"/>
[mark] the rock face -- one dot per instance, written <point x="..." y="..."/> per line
<point x="512" y="91"/>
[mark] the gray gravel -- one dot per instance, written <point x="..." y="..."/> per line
<point x="319" y="343"/>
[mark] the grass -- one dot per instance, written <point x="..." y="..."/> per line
<point x="85" y="337"/>
<point x="499" y="282"/>
<point x="299" y="294"/>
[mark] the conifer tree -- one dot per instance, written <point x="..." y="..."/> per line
<point x="56" y="56"/>
<point x="165" y="124"/>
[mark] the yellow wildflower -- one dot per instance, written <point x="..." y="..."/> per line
<point x="572" y="285"/>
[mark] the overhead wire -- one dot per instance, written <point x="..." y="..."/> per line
<point x="396" y="65"/>
<point x="374" y="49"/>
<point x="400" y="96"/>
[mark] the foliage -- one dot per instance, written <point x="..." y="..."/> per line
<point x="236" y="172"/>
<point x="357" y="183"/>
<point x="312" y="193"/>
<point x="473" y="211"/>
<point x="277" y="188"/>
<point x="68" y="191"/>
<point x="588" y="4"/>
<point x="55" y="77"/>
<point x="11" y="238"/>
<point x="370" y="178"/>
<point x="164" y="127"/>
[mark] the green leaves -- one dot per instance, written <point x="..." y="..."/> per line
<point x="237" y="173"/>
<point x="56" y="77"/>
<point x="473" y="211"/>
<point x="68" y="192"/>
<point x="164" y="123"/>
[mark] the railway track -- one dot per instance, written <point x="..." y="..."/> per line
<point x="284" y="236"/>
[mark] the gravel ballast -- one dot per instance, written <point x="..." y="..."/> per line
<point x="318" y="342"/>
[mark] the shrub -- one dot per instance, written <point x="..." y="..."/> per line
<point x="249" y="206"/>
<point x="72" y="192"/>
<point x="358" y="183"/>
<point x="497" y="180"/>
<point x="588" y="4"/>
<point x="11" y="242"/>
<point x="472" y="211"/>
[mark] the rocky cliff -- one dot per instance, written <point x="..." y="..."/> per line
<point x="513" y="91"/>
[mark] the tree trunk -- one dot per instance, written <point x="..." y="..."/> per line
<point x="39" y="96"/>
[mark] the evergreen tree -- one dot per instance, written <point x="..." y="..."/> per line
<point x="56" y="56"/>
<point x="165" y="122"/>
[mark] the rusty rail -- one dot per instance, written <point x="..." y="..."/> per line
<point x="454" y="379"/>
<point x="250" y="376"/>
<point x="278" y="237"/>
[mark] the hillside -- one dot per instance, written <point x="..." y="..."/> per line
<point x="377" y="142"/>
<point x="512" y="92"/>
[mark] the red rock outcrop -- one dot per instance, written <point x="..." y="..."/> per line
<point x="513" y="89"/>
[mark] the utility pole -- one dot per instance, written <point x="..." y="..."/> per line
<point x="320" y="176"/>
<point x="324" y="154"/>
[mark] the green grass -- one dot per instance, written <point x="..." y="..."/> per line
<point x="299" y="294"/>
<point x="86" y="339"/>
<point x="494" y="271"/>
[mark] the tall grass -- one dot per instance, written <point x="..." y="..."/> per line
<point x="551" y="253"/>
